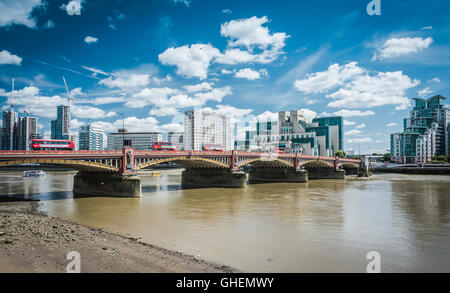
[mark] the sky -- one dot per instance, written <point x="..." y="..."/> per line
<point x="153" y="60"/>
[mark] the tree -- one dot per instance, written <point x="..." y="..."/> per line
<point x="386" y="157"/>
<point x="340" y="154"/>
<point x="438" y="159"/>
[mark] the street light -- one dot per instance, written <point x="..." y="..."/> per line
<point x="123" y="130"/>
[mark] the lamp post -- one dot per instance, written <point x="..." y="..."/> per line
<point x="123" y="130"/>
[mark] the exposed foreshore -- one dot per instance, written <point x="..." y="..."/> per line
<point x="33" y="242"/>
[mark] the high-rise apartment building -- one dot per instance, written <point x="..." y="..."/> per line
<point x="27" y="129"/>
<point x="425" y="132"/>
<point x="91" y="138"/>
<point x="10" y="119"/>
<point x="60" y="128"/>
<point x="206" y="127"/>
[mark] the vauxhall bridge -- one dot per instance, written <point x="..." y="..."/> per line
<point x="113" y="173"/>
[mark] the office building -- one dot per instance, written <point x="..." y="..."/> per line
<point x="91" y="138"/>
<point x="27" y="129"/>
<point x="60" y="128"/>
<point x="177" y="138"/>
<point x="425" y="132"/>
<point x="206" y="127"/>
<point x="136" y="140"/>
<point x="10" y="119"/>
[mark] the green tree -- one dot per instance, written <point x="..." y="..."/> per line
<point x="340" y="154"/>
<point x="386" y="157"/>
<point x="438" y="159"/>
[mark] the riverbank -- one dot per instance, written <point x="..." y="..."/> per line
<point x="32" y="242"/>
<point x="414" y="170"/>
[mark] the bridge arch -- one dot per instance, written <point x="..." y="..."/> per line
<point x="316" y="164"/>
<point x="262" y="161"/>
<point x="346" y="165"/>
<point x="187" y="162"/>
<point x="75" y="164"/>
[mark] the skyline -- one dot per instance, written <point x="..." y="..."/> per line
<point x="153" y="61"/>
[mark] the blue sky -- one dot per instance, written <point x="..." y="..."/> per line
<point x="152" y="60"/>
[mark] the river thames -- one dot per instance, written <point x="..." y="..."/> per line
<point x="319" y="226"/>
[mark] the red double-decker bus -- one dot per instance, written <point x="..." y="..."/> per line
<point x="164" y="146"/>
<point x="52" y="145"/>
<point x="213" y="147"/>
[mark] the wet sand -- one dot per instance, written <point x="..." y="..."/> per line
<point x="32" y="242"/>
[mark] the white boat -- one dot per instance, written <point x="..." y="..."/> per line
<point x="33" y="173"/>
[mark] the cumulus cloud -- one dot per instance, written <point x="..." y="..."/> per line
<point x="392" y="124"/>
<point x="353" y="113"/>
<point x="191" y="61"/>
<point x="352" y="132"/>
<point x="18" y="12"/>
<point x="424" y="92"/>
<point x="8" y="58"/>
<point x="126" y="82"/>
<point x="29" y="99"/>
<point x="361" y="126"/>
<point x="359" y="88"/>
<point x="347" y="122"/>
<point x="248" y="73"/>
<point x="335" y="75"/>
<point x="90" y="39"/>
<point x="248" y="42"/>
<point x="198" y="87"/>
<point x="396" y="47"/>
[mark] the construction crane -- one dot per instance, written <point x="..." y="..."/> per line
<point x="69" y="104"/>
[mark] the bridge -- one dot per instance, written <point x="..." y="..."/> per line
<point x="114" y="172"/>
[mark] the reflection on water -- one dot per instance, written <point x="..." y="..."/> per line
<point x="319" y="226"/>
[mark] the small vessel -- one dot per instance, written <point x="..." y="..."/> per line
<point x="33" y="173"/>
<point x="156" y="173"/>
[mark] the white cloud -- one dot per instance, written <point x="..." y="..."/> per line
<point x="353" y="113"/>
<point x="134" y="124"/>
<point x="247" y="73"/>
<point x="427" y="28"/>
<point x="392" y="124"/>
<point x="352" y="132"/>
<point x="395" y="47"/>
<point x="90" y="39"/>
<point x="165" y="111"/>
<point x="235" y="56"/>
<point x="359" y="140"/>
<point x="29" y="99"/>
<point x="335" y="75"/>
<point x="436" y="79"/>
<point x="424" y="92"/>
<point x="227" y="11"/>
<point x="347" y="122"/>
<point x="18" y="12"/>
<point x="191" y="61"/>
<point x="8" y="58"/>
<point x="101" y="100"/>
<point x="131" y="81"/>
<point x="361" y="126"/>
<point x="226" y="71"/>
<point x="267" y="116"/>
<point x="308" y="114"/>
<point x="366" y="91"/>
<point x="250" y="32"/>
<point x="198" y="87"/>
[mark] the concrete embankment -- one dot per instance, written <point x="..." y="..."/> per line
<point x="414" y="170"/>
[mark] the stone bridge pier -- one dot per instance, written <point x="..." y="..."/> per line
<point x="267" y="175"/>
<point x="215" y="177"/>
<point x="106" y="184"/>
